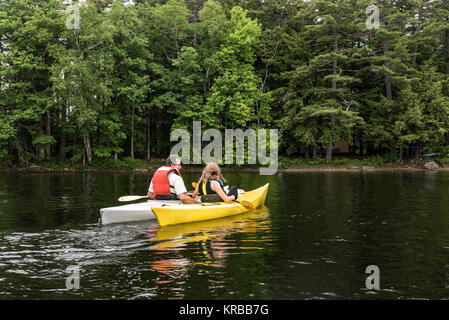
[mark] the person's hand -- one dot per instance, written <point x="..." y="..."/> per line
<point x="232" y="198"/>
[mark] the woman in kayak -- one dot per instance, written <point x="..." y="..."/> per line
<point x="211" y="186"/>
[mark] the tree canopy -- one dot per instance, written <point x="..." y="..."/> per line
<point x="115" y="84"/>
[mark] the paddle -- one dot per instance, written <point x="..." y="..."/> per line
<point x="248" y="205"/>
<point x="131" y="198"/>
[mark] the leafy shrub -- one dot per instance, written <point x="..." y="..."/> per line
<point x="390" y="157"/>
<point x="130" y="163"/>
<point x="43" y="140"/>
<point x="443" y="160"/>
<point x="374" y="161"/>
<point x="443" y="151"/>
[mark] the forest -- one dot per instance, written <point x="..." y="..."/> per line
<point x="101" y="80"/>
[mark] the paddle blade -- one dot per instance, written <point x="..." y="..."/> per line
<point x="131" y="198"/>
<point x="248" y="205"/>
<point x="194" y="184"/>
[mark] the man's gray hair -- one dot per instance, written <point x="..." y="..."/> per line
<point x="173" y="159"/>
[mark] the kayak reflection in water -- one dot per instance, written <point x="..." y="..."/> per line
<point x="211" y="186"/>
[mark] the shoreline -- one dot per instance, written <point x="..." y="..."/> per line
<point x="187" y="169"/>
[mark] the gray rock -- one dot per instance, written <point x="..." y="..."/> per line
<point x="431" y="165"/>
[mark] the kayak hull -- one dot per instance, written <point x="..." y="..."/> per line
<point x="132" y="212"/>
<point x="176" y="214"/>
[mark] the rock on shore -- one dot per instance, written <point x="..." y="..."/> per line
<point x="431" y="165"/>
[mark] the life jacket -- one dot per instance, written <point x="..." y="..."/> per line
<point x="205" y="188"/>
<point x="161" y="184"/>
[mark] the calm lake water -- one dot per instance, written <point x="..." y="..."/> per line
<point x="314" y="240"/>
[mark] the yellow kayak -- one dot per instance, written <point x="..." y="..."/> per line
<point x="183" y="213"/>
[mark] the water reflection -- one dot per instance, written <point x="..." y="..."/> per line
<point x="213" y="242"/>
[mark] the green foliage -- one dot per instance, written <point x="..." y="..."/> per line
<point x="371" y="161"/>
<point x="133" y="72"/>
<point x="127" y="163"/>
<point x="442" y="154"/>
<point x="43" y="140"/>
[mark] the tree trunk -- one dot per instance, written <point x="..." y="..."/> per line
<point x="148" y="136"/>
<point x="334" y="89"/>
<point x="417" y="150"/>
<point x="88" y="150"/>
<point x="447" y="50"/>
<point x="334" y="63"/>
<point x="388" y="90"/>
<point x="41" y="151"/>
<point x="132" y="133"/>
<point x="314" y="151"/>
<point x="401" y="151"/>
<point x="307" y="152"/>
<point x="329" y="153"/>
<point x="48" y="133"/>
<point x="369" y="149"/>
<point x="62" y="142"/>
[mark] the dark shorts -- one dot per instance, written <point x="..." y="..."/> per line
<point x="167" y="197"/>
<point x="211" y="198"/>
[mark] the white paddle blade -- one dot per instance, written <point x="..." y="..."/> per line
<point x="131" y="198"/>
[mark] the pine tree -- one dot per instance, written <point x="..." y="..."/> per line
<point x="319" y="90"/>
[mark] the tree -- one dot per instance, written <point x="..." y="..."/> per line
<point x="234" y="95"/>
<point x="319" y="89"/>
<point x="82" y="74"/>
<point x="130" y="81"/>
<point x="28" y="30"/>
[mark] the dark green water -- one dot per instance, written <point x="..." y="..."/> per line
<point x="314" y="240"/>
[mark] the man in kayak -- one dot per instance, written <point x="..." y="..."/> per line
<point x="167" y="182"/>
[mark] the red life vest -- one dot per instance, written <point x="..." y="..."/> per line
<point x="161" y="185"/>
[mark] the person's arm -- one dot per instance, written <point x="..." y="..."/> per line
<point x="220" y="192"/>
<point x="180" y="189"/>
<point x="196" y="192"/>
<point x="186" y="198"/>
<point x="150" y="190"/>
